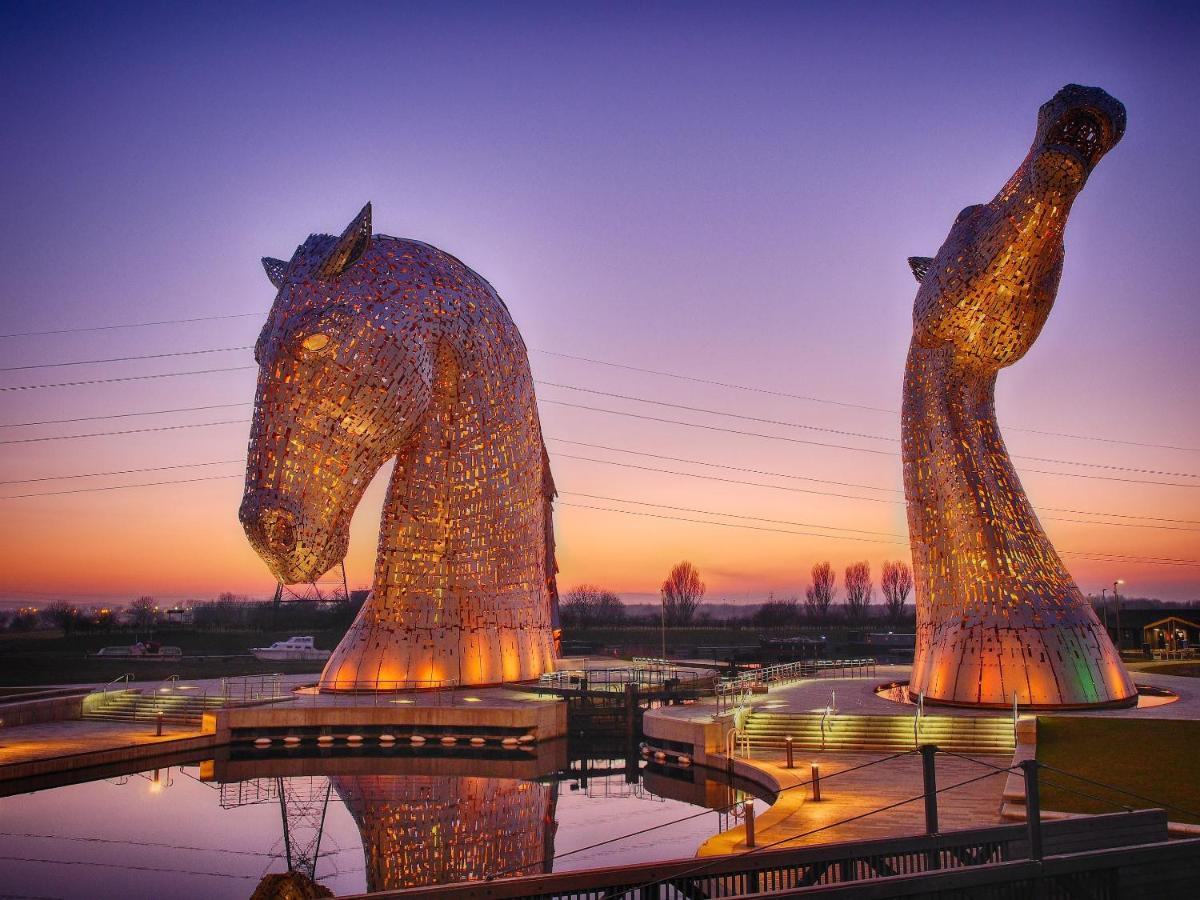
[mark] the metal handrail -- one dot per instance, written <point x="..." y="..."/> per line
<point x="441" y="691"/>
<point x="127" y="678"/>
<point x="917" y="716"/>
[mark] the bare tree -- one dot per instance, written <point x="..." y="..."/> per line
<point x="143" y="612"/>
<point x="819" y="595"/>
<point x="61" y="614"/>
<point x="859" y="590"/>
<point x="588" y="605"/>
<point x="896" y="582"/>
<point x="681" y="594"/>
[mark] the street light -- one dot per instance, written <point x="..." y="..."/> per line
<point x="1117" y="600"/>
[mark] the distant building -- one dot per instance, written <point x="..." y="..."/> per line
<point x="180" y="615"/>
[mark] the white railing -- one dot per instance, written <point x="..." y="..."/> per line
<point x="733" y="737"/>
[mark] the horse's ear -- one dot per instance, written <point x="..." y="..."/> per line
<point x="349" y="247"/>
<point x="275" y="270"/>
<point x="920" y="266"/>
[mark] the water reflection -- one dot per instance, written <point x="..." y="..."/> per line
<point x="372" y="820"/>
<point x="420" y="830"/>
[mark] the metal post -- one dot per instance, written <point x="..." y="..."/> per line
<point x="1033" y="808"/>
<point x="816" y="782"/>
<point x="631" y="702"/>
<point x="791" y="762"/>
<point x="1117" y="601"/>
<point x="664" y="625"/>
<point x="158" y="723"/>
<point x="748" y="806"/>
<point x="929" y="776"/>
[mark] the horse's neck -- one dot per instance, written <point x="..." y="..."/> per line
<point x="966" y="506"/>
<point x="465" y="510"/>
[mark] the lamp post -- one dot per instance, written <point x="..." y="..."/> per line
<point x="1117" y="600"/>
<point x="663" y="598"/>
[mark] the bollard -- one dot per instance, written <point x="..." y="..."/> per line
<point x="1033" y="808"/>
<point x="748" y="806"/>
<point x="158" y="722"/>
<point x="791" y="764"/>
<point x="816" y="781"/>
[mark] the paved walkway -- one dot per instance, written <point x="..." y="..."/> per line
<point x="47" y="740"/>
<point x="855" y="784"/>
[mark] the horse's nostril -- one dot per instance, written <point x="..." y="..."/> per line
<point x="279" y="530"/>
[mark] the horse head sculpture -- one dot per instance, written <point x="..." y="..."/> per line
<point x="379" y="348"/>
<point x="999" y="618"/>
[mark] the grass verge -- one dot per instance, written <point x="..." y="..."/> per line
<point x="1155" y="758"/>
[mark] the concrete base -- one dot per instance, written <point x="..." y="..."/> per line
<point x="494" y="715"/>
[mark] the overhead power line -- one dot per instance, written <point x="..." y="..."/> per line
<point x="709" y="512"/>
<point x="794" y="440"/>
<point x="615" y="365"/>
<point x="859" y="434"/>
<point x="150" y="412"/>
<point x="117" y="359"/>
<point x="1154" y="560"/>
<point x="216" y="462"/>
<point x="807" y="397"/>
<point x="72" y="437"/>
<point x="87" y="328"/>
<point x="60" y="384"/>
<point x="1099" y="555"/>
<point x="687" y="408"/>
<point x="698" y="462"/>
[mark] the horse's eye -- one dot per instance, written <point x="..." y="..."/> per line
<point x="315" y="342"/>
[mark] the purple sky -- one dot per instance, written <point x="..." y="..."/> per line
<point x="727" y="191"/>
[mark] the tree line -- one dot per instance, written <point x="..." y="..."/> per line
<point x="682" y="592"/>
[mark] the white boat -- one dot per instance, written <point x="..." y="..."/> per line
<point x="293" y="648"/>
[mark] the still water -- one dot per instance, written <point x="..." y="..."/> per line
<point x="214" y="828"/>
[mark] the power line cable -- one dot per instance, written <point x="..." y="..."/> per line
<point x="218" y="462"/>
<point x="1110" y="557"/>
<point x="709" y="512"/>
<point x="152" y="412"/>
<point x="599" y="461"/>
<point x="699" y="462"/>
<point x="615" y="365"/>
<point x="86" y="328"/>
<point x="1107" y="557"/>
<point x="793" y="440"/>
<point x="72" y="437"/>
<point x="792" y="396"/>
<point x="60" y="384"/>
<point x="117" y="359"/>
<point x="859" y="434"/>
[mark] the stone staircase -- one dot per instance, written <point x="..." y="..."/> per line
<point x="133" y="706"/>
<point x="970" y="735"/>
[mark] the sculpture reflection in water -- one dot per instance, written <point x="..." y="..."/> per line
<point x="379" y="348"/>
<point x="422" y="830"/>
<point x="998" y="615"/>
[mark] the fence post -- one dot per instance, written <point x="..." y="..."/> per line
<point x="1033" y="807"/>
<point x="791" y="763"/>
<point x="631" y="703"/>
<point x="748" y="805"/>
<point x="929" y="777"/>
